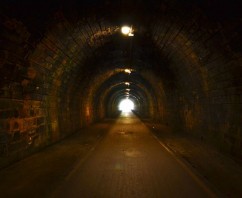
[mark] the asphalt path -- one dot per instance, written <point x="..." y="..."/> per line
<point x="130" y="162"/>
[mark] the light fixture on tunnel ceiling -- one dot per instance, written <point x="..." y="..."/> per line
<point x="127" y="89"/>
<point x="127" y="83"/>
<point x="127" y="71"/>
<point x="128" y="31"/>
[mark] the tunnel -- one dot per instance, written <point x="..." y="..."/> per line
<point x="67" y="65"/>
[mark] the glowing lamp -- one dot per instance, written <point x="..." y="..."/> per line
<point x="127" y="71"/>
<point x="128" y="31"/>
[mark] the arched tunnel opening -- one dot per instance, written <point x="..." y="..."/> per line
<point x="66" y="65"/>
<point x="126" y="105"/>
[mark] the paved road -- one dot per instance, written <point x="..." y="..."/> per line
<point x="130" y="162"/>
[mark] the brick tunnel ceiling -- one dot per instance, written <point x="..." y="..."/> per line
<point x="70" y="57"/>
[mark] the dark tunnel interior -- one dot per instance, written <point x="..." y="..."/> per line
<point x="65" y="65"/>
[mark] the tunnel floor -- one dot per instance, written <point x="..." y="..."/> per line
<point x="115" y="158"/>
<point x="129" y="162"/>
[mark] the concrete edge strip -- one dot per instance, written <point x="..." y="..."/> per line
<point x="186" y="167"/>
<point x="77" y="166"/>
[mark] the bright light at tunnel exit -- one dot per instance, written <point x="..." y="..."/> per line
<point x="126" y="105"/>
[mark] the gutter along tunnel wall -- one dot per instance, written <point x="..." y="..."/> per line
<point x="62" y="67"/>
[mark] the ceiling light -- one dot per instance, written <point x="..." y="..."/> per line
<point x="127" y="83"/>
<point x="127" y="71"/>
<point x="125" y="30"/>
<point x="128" y="31"/>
